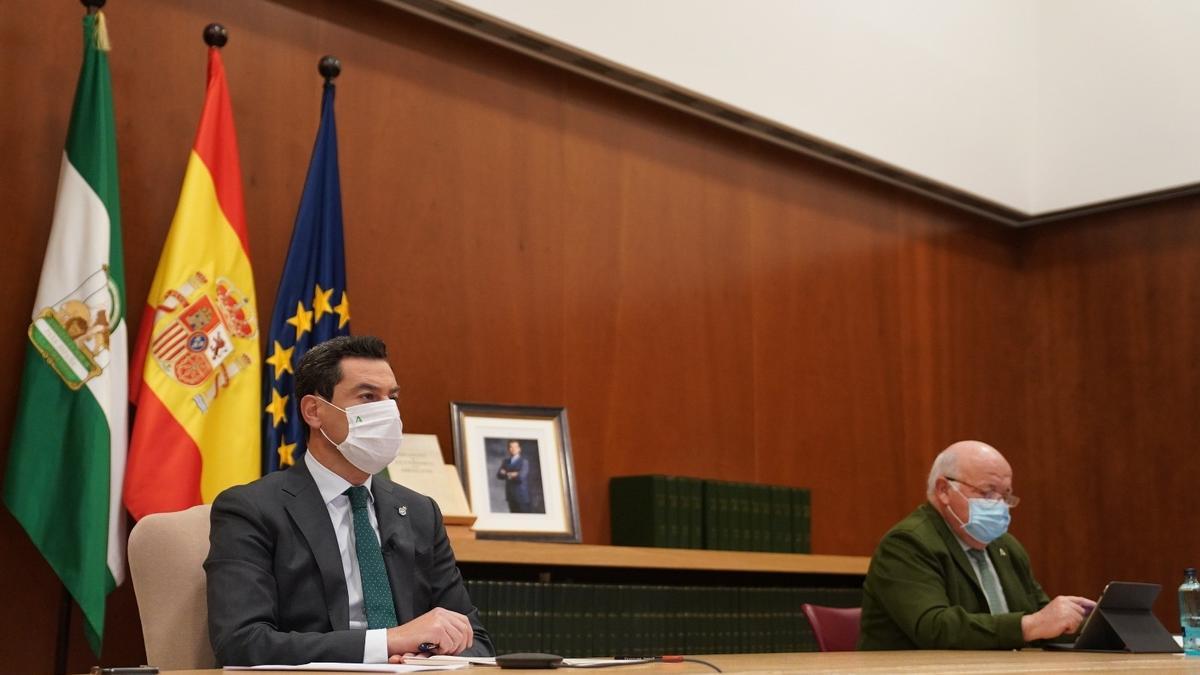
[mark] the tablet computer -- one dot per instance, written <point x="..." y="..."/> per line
<point x="1123" y="621"/>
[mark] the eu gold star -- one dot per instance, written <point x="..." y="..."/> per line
<point x="281" y="360"/>
<point x="321" y="303"/>
<point x="343" y="310"/>
<point x="277" y="407"/>
<point x="285" y="454"/>
<point x="302" y="320"/>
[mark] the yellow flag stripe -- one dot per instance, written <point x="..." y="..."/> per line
<point x="202" y="240"/>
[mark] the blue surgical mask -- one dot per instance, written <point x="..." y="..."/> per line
<point x="987" y="519"/>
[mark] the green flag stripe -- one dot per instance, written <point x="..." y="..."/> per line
<point x="48" y="485"/>
<point x="92" y="143"/>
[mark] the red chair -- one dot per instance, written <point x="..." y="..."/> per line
<point x="836" y="628"/>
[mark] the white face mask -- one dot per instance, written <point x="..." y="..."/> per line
<point x="373" y="435"/>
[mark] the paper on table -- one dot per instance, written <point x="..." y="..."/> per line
<point x="491" y="661"/>
<point x="462" y="660"/>
<point x="600" y="661"/>
<point x="360" y="667"/>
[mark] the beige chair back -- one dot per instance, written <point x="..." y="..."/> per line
<point x="166" y="562"/>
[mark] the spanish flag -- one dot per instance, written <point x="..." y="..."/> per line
<point x="195" y="371"/>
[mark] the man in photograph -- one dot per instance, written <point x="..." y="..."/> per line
<point x="514" y="471"/>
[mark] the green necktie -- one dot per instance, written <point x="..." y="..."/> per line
<point x="377" y="592"/>
<point x="988" y="580"/>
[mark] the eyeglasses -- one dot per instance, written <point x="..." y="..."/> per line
<point x="990" y="495"/>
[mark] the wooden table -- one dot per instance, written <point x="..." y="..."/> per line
<point x="942" y="662"/>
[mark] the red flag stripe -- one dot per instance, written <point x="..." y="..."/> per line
<point x="167" y="479"/>
<point x="216" y="145"/>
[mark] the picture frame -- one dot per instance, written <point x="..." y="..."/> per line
<point x="515" y="464"/>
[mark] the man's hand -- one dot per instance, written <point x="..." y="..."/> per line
<point x="450" y="631"/>
<point x="1063" y="615"/>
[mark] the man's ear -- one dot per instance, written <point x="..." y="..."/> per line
<point x="308" y="410"/>
<point x="941" y="488"/>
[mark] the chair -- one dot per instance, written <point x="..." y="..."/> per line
<point x="166" y="562"/>
<point x="836" y="628"/>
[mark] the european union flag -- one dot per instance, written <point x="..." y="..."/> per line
<point x="311" y="305"/>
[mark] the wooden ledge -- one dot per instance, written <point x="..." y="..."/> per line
<point x="584" y="555"/>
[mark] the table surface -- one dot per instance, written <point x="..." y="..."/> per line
<point x="1025" y="661"/>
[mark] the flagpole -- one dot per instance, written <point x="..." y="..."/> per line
<point x="64" y="632"/>
<point x="215" y="35"/>
<point x="62" y="642"/>
<point x="329" y="67"/>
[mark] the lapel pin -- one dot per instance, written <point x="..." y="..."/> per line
<point x="1002" y="552"/>
<point x="403" y="510"/>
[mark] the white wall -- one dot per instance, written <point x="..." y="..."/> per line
<point x="1118" y="100"/>
<point x="1036" y="104"/>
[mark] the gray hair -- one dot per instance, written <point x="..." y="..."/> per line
<point x="946" y="463"/>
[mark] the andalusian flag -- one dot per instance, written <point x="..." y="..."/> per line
<point x="195" y="371"/>
<point x="68" y="452"/>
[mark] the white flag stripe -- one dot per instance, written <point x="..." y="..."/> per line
<point x="79" y="238"/>
<point x="78" y="246"/>
<point x="111" y="390"/>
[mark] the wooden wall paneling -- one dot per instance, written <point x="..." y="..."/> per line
<point x="1114" y="315"/>
<point x="702" y="303"/>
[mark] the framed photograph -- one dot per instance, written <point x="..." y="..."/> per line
<point x="515" y="464"/>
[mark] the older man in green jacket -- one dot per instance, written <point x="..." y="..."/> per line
<point x="949" y="576"/>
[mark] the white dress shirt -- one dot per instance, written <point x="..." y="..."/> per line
<point x="331" y="486"/>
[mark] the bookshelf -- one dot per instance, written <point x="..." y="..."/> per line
<point x="485" y="551"/>
<point x="589" y="600"/>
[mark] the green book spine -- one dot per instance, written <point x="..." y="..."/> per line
<point x="589" y="621"/>
<point x="762" y="517"/>
<point x="798" y="524"/>
<point x="579" y="628"/>
<point x="806" y="521"/>
<point x="712" y="520"/>
<point x="552" y="633"/>
<point x="728" y="516"/>
<point x="695" y="513"/>
<point x="538" y="610"/>
<point x="781" y="519"/>
<point x="750" y="518"/>
<point x="516" y="618"/>
<point x="745" y="518"/>
<point x="528" y="627"/>
<point x="753" y="522"/>
<point x="673" y="512"/>
<point x="639" y="603"/>
<point x="566" y="622"/>
<point x="500" y="614"/>
<point x="637" y="509"/>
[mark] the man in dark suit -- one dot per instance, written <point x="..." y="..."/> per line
<point x="949" y="576"/>
<point x="514" y="471"/>
<point x="329" y="560"/>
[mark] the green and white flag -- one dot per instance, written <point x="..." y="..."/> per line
<point x="66" y="464"/>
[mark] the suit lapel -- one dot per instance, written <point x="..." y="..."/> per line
<point x="965" y="568"/>
<point x="955" y="547"/>
<point x="312" y="518"/>
<point x="395" y="538"/>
